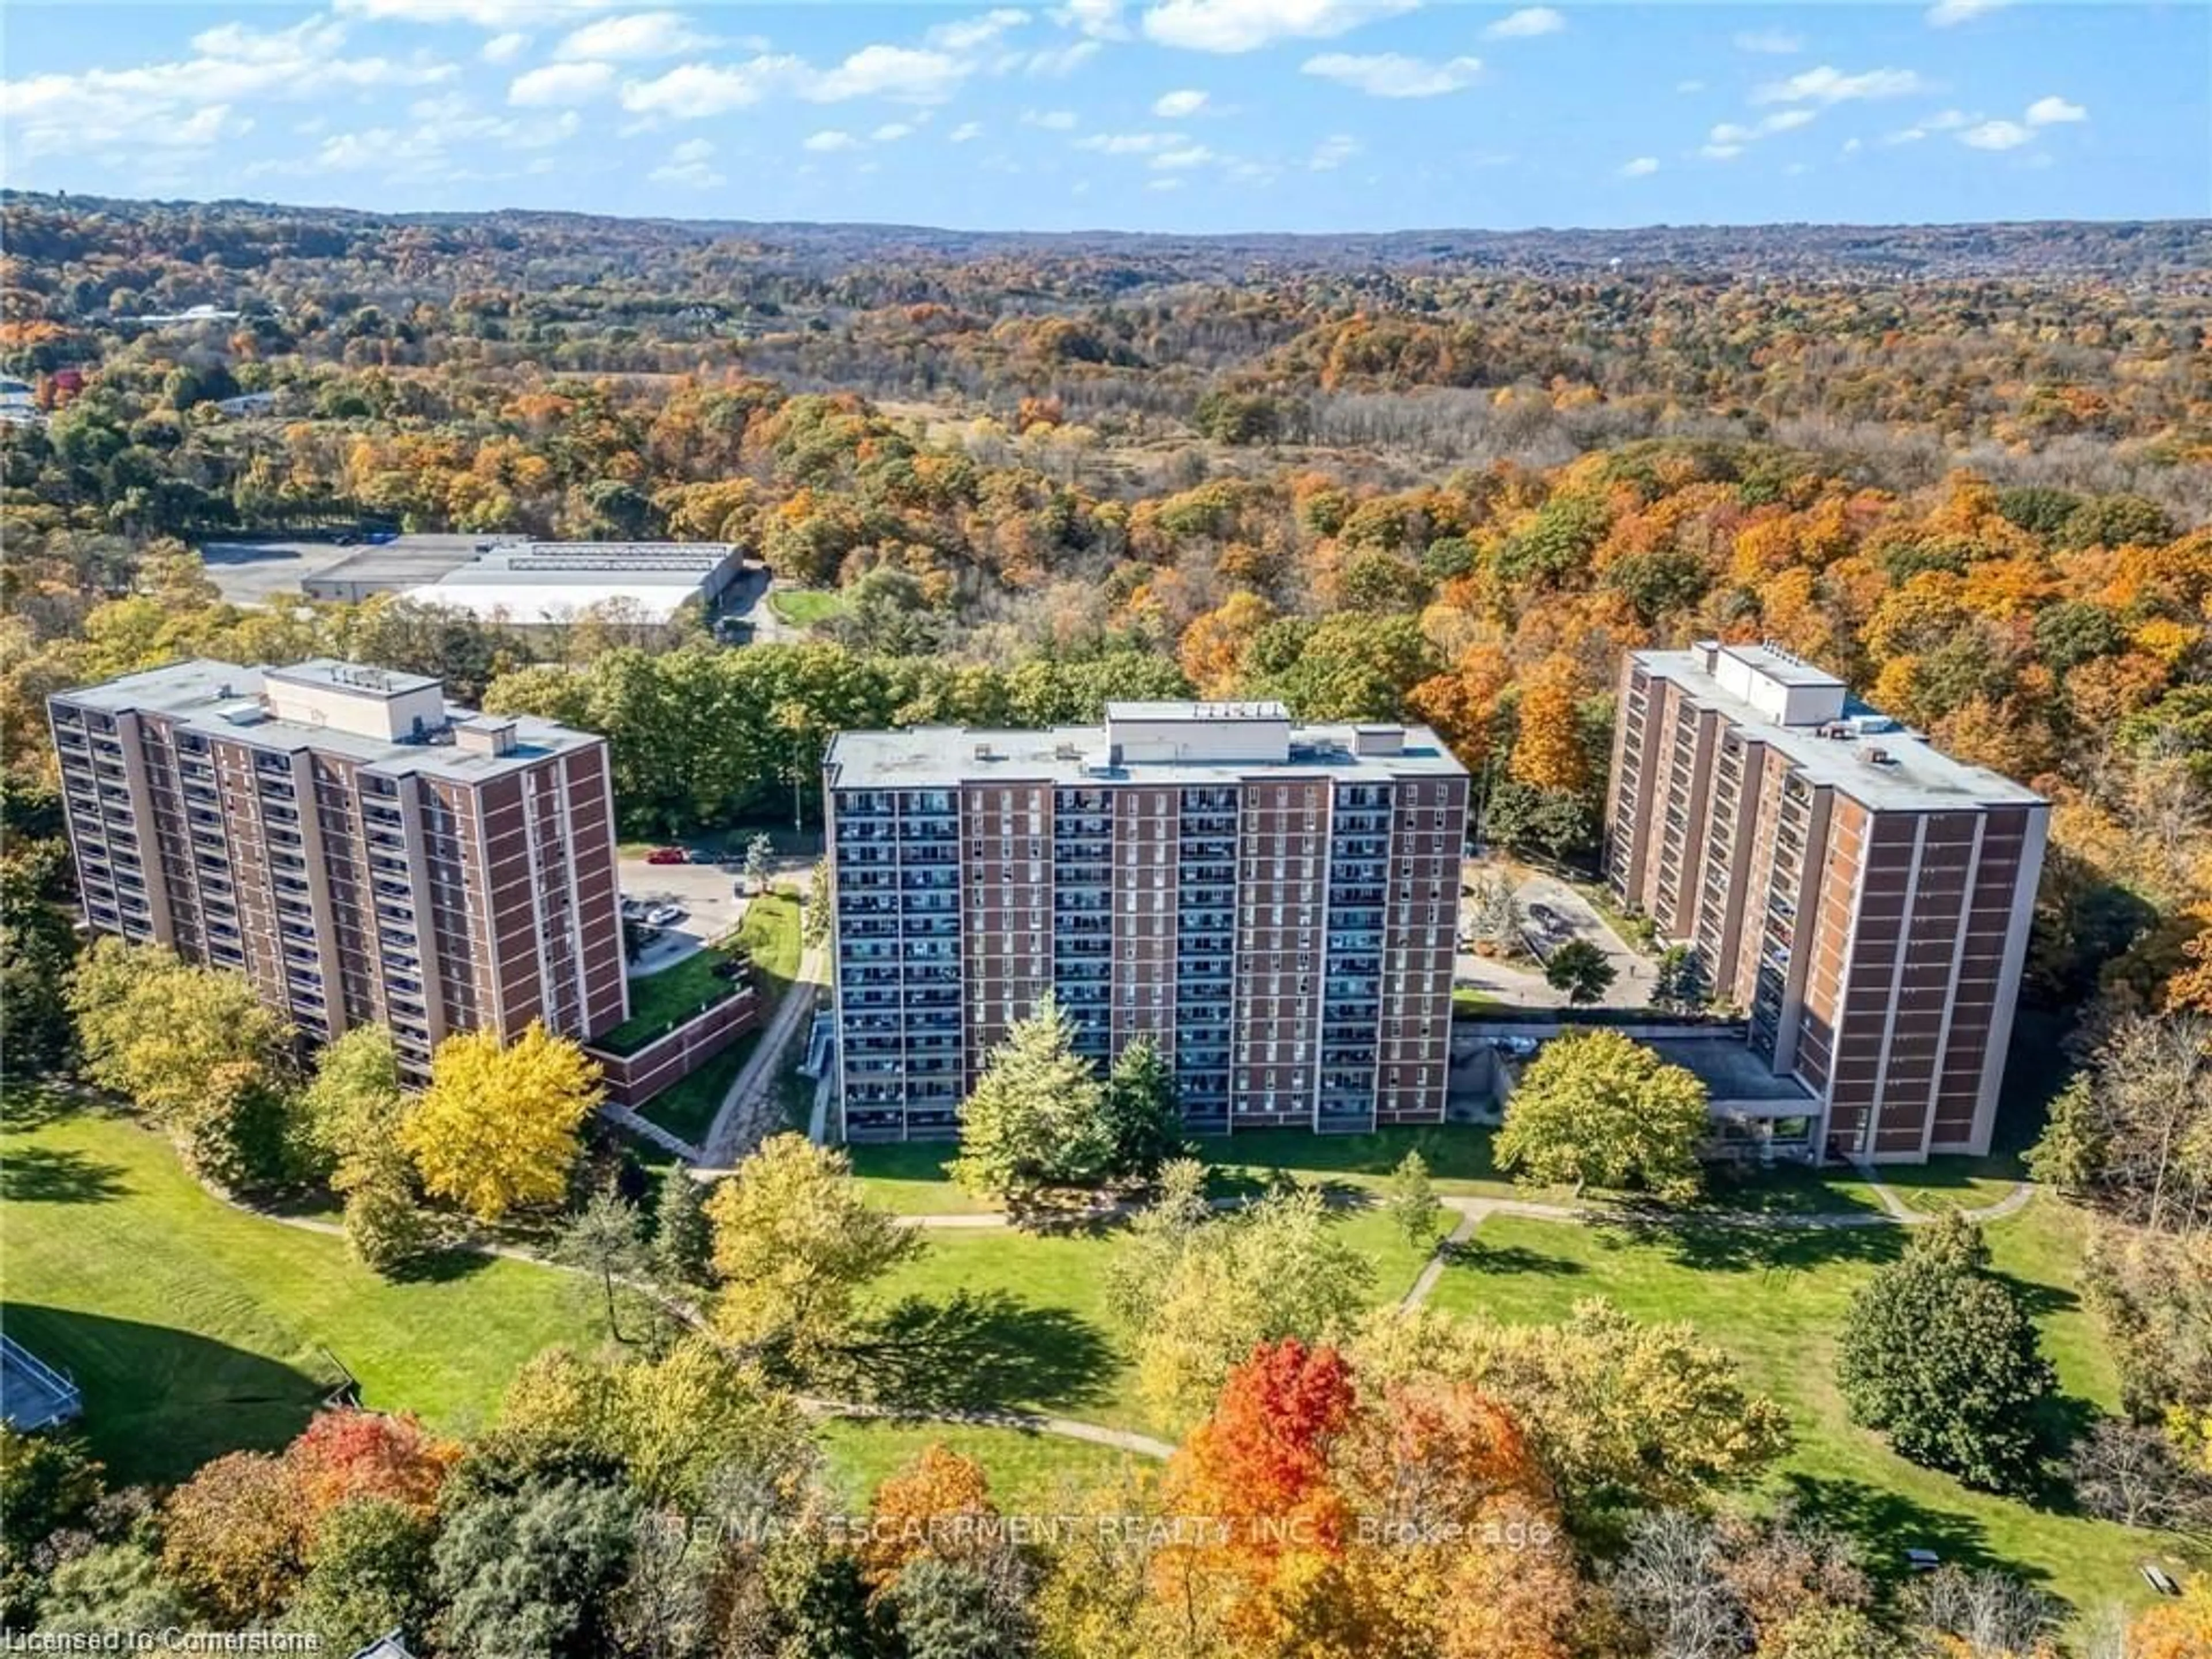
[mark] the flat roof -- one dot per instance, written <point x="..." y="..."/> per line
<point x="1186" y="709"/>
<point x="1780" y="666"/>
<point x="223" y="700"/>
<point x="1725" y="1063"/>
<point x="1917" y="777"/>
<point x="941" y="757"/>
<point x="354" y="678"/>
<point x="545" y="598"/>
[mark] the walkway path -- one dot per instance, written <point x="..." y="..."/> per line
<point x="1067" y="1428"/>
<point x="742" y="1117"/>
<point x="645" y="1129"/>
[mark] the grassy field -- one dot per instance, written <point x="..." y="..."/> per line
<point x="769" y="933"/>
<point x="1002" y="1318"/>
<point x="805" y="607"/>
<point x="1775" y="1300"/>
<point x="659" y="1002"/>
<point x="1030" y="1474"/>
<point x="194" y="1329"/>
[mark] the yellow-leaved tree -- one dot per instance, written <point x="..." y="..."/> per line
<point x="496" y="1129"/>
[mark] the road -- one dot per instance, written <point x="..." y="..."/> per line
<point x="1521" y="983"/>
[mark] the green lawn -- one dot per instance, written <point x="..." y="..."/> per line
<point x="659" y="1002"/>
<point x="805" y="607"/>
<point x="194" y="1329"/>
<point x="1458" y="1157"/>
<point x="1775" y="1299"/>
<point x="769" y="932"/>
<point x="910" y="1177"/>
<point x="1003" y="1318"/>
<point x="1030" y="1474"/>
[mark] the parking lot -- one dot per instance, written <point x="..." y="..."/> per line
<point x="706" y="893"/>
<point x="1554" y="913"/>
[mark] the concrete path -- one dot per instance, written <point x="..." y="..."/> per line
<point x="742" y="1120"/>
<point x="645" y="1129"/>
<point x="1433" y="1269"/>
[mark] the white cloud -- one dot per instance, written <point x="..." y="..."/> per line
<point x="1164" y="184"/>
<point x="1720" y="152"/>
<point x="1131" y="143"/>
<point x="1176" y="161"/>
<point x="1728" y="132"/>
<point x="904" y="73"/>
<point x="503" y="48"/>
<point x="831" y="141"/>
<point x="1052" y="120"/>
<point x="1391" y="75"/>
<point x="192" y="103"/>
<point x="639" y="36"/>
<point x="1944" y="14"/>
<point x="1788" y="120"/>
<point x="1526" y="23"/>
<point x="1689" y="86"/>
<point x="969" y="33"/>
<point x="2050" y="111"/>
<point x="967" y="132"/>
<point x="1175" y="105"/>
<point x="484" y="14"/>
<point x="1777" y="43"/>
<point x="1642" y="167"/>
<point x="557" y="84"/>
<point x="691" y="163"/>
<point x="1825" y="85"/>
<point x="695" y="91"/>
<point x="890" y="132"/>
<point x="1727" y="140"/>
<point x="1997" y="135"/>
<point x="446" y="139"/>
<point x="1246" y="25"/>
<point x="1099" y="19"/>
<point x="1057" y="63"/>
<point x="1334" y="151"/>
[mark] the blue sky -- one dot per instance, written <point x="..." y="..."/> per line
<point x="1177" y="115"/>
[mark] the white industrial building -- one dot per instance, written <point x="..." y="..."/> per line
<point x="550" y="585"/>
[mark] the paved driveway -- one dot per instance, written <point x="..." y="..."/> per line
<point x="1634" y="975"/>
<point x="707" y="893"/>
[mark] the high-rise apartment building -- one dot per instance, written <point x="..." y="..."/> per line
<point x="1864" y="897"/>
<point x="358" y="849"/>
<point x="1274" y="905"/>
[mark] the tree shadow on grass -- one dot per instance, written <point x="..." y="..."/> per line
<point x="27" y="1106"/>
<point x="50" y="1175"/>
<point x="980" y="1352"/>
<point x="159" y="1402"/>
<point x="1885" y="1524"/>
<point x="441" y="1266"/>
<point x="1473" y="1254"/>
<point x="1749" y="1247"/>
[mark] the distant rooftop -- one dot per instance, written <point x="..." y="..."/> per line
<point x="389" y="721"/>
<point x="1832" y="738"/>
<point x="1178" y="742"/>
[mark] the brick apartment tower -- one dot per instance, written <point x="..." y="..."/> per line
<point x="1865" y="896"/>
<point x="1274" y="905"/>
<point x="355" y="847"/>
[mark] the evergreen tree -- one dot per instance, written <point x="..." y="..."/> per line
<point x="1037" y="1117"/>
<point x="604" y="1240"/>
<point x="1938" y="1354"/>
<point x="1411" y="1201"/>
<point x="1144" y="1110"/>
<point x="682" y="1239"/>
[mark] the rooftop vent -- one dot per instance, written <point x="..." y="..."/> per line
<point x="1379" y="739"/>
<point x="1875" y="756"/>
<point x="985" y="752"/>
<point x="484" y="736"/>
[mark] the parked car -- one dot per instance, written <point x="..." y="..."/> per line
<point x="1547" y="918"/>
<point x="667" y="855"/>
<point x="701" y="855"/>
<point x="665" y="916"/>
<point x="635" y="909"/>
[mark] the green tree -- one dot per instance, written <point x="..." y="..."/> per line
<point x="605" y="1240"/>
<point x="818" y="902"/>
<point x="1579" y="969"/>
<point x="496" y="1129"/>
<point x="110" y="1587"/>
<point x="534" y="1573"/>
<point x="385" y="1226"/>
<point x="1938" y="1355"/>
<point x="1595" y="1110"/>
<point x="1144" y="1110"/>
<point x="1680" y="984"/>
<point x="795" y="1244"/>
<point x="197" y="1051"/>
<point x="368" y="1572"/>
<point x="1409" y="1199"/>
<point x="1037" y="1116"/>
<point x="683" y="1238"/>
<point x="1202" y="1294"/>
<point x="950" y="1610"/>
<point x="352" y="1111"/>
<point x="38" y="947"/>
<point x="48" y="1481"/>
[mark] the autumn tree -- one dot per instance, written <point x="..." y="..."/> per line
<point x="235" y="1537"/>
<point x="795" y="1244"/>
<point x="930" y="1505"/>
<point x="1595" y="1109"/>
<point x="497" y="1129"/>
<point x="1547" y="749"/>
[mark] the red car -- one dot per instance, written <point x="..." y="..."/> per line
<point x="667" y="855"/>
